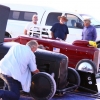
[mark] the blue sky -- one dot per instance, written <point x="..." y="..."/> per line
<point x="91" y="7"/>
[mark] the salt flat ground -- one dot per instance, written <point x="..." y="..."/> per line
<point x="69" y="96"/>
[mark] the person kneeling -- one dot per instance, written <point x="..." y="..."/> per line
<point x="16" y="68"/>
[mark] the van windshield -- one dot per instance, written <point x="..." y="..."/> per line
<point x="94" y="22"/>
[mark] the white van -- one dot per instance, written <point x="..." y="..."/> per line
<point x="20" y="15"/>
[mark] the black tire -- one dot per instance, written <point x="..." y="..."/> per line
<point x="7" y="35"/>
<point x="98" y="44"/>
<point x="86" y="62"/>
<point x="43" y="86"/>
<point x="73" y="77"/>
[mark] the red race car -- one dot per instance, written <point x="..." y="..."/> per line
<point x="80" y="53"/>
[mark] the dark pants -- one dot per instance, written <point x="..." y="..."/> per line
<point x="13" y="86"/>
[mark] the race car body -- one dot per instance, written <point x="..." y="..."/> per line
<point x="76" y="51"/>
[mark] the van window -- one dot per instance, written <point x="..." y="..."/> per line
<point x="16" y="15"/>
<point x="28" y="15"/>
<point x="94" y="22"/>
<point x="21" y="15"/>
<point x="72" y="19"/>
<point x="52" y="18"/>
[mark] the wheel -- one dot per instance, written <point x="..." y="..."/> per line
<point x="98" y="44"/>
<point x="73" y="77"/>
<point x="43" y="86"/>
<point x="86" y="65"/>
<point x="7" y="35"/>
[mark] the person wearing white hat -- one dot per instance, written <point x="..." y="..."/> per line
<point x="89" y="32"/>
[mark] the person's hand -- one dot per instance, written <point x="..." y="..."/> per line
<point x="36" y="71"/>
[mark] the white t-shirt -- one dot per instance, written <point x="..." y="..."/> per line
<point x="18" y="63"/>
<point x="32" y="27"/>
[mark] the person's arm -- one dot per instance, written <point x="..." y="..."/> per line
<point x="32" y="64"/>
<point x="35" y="72"/>
<point x="53" y="30"/>
<point x="82" y="36"/>
<point x="65" y="37"/>
<point x="67" y="32"/>
<point x="94" y="34"/>
<point x="27" y="27"/>
<point x="52" y="35"/>
<point x="25" y="32"/>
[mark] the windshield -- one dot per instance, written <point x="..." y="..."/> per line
<point x="93" y="20"/>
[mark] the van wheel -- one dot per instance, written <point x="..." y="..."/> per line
<point x="73" y="77"/>
<point x="86" y="65"/>
<point x="7" y="35"/>
<point x="43" y="86"/>
<point x="98" y="44"/>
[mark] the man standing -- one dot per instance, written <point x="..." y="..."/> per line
<point x="32" y="26"/>
<point x="89" y="32"/>
<point x="16" y="68"/>
<point x="60" y="30"/>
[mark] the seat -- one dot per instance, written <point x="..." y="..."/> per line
<point x="73" y="23"/>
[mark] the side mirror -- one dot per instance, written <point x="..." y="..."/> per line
<point x="79" y="25"/>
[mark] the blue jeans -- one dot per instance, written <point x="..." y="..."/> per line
<point x="13" y="86"/>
